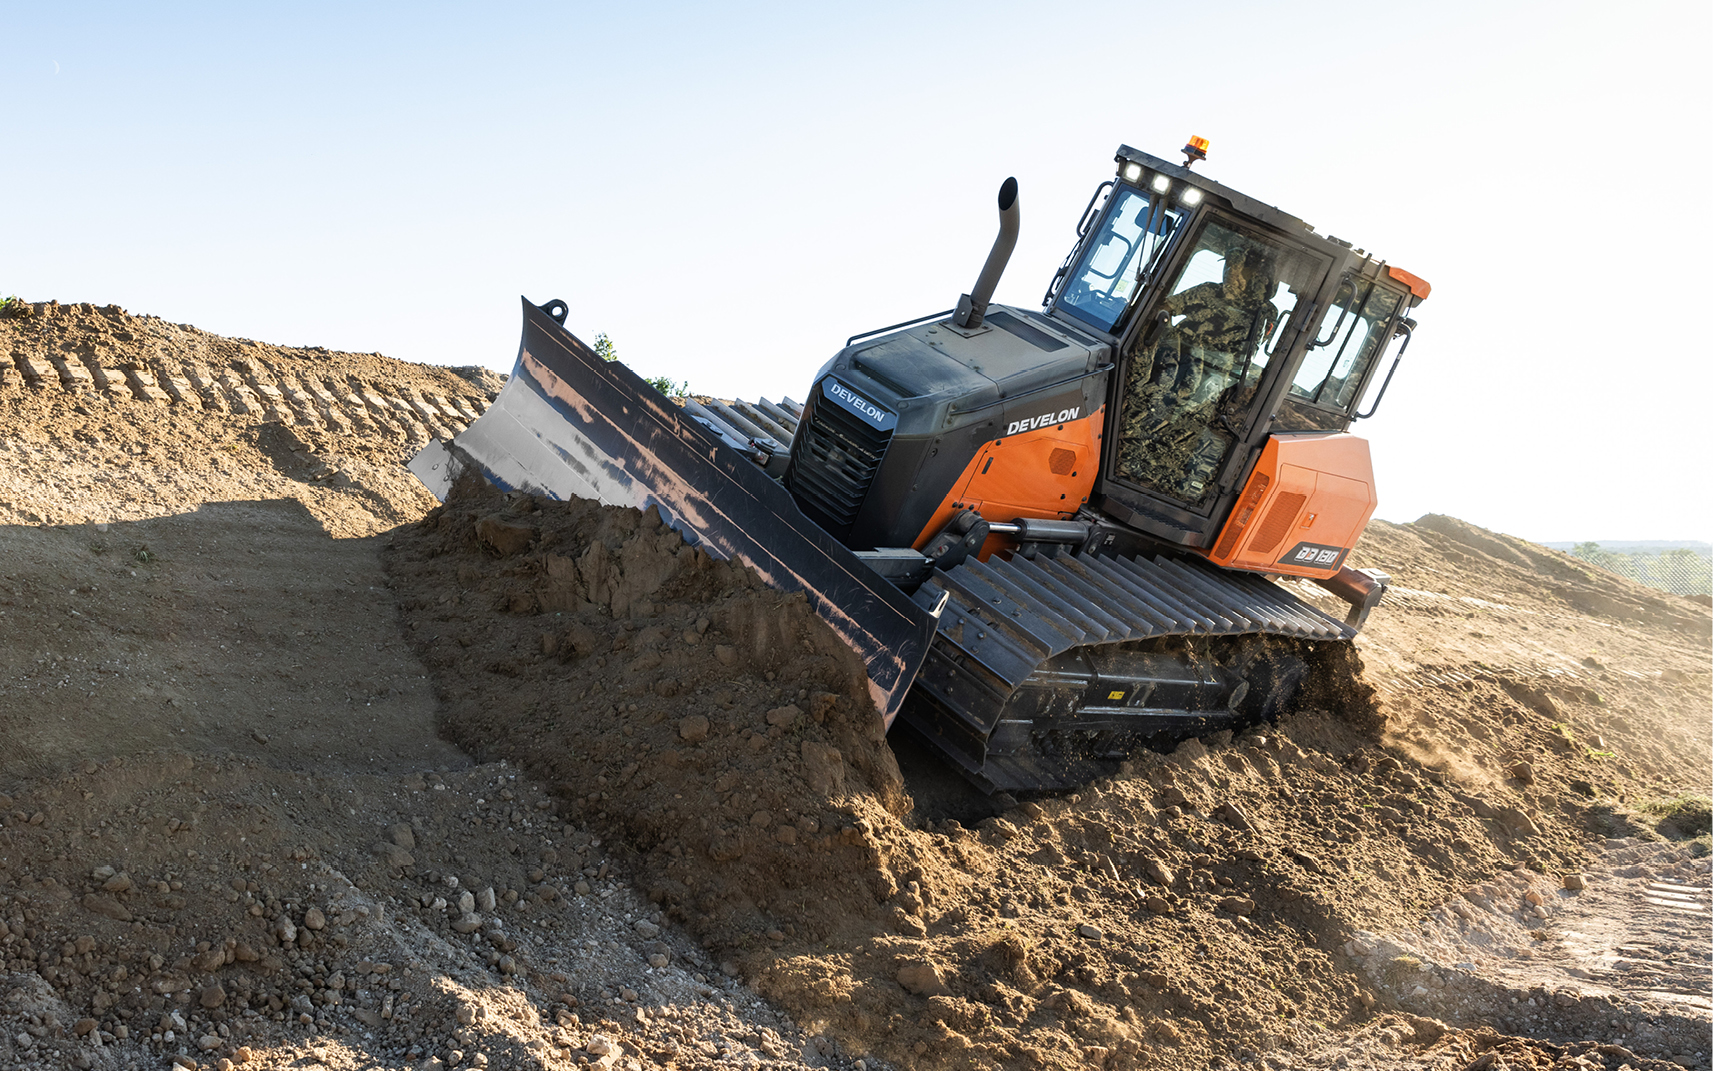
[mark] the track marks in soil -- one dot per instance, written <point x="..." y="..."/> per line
<point x="139" y="417"/>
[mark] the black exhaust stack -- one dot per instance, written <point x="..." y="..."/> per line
<point x="973" y="306"/>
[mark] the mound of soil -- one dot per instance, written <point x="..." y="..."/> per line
<point x="714" y="724"/>
<point x="253" y="759"/>
<point x="111" y="416"/>
<point x="228" y="829"/>
<point x="1198" y="905"/>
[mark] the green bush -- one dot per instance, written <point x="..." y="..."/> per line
<point x="607" y="351"/>
<point x="667" y="387"/>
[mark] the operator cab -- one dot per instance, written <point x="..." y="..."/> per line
<point x="1231" y="321"/>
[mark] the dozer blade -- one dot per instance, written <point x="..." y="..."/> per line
<point x="569" y="424"/>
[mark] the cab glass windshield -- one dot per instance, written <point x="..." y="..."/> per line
<point x="1115" y="260"/>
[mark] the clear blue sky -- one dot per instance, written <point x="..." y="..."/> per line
<point x="731" y="192"/>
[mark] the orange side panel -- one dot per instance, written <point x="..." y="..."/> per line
<point x="1303" y="509"/>
<point x="1047" y="473"/>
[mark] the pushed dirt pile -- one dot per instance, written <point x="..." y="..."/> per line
<point x="114" y="416"/>
<point x="1198" y="906"/>
<point x="298" y="770"/>
<point x="229" y="833"/>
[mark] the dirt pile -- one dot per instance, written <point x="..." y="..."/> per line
<point x="1198" y="907"/>
<point x="229" y="831"/>
<point x="538" y="786"/>
<point x="710" y="721"/>
<point x="115" y="416"/>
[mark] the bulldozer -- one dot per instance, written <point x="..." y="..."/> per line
<point x="1053" y="535"/>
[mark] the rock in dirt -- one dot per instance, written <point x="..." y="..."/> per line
<point x="1090" y="931"/>
<point x="313" y="919"/>
<point x="694" y="729"/>
<point x="505" y="536"/>
<point x="394" y="855"/>
<point x="1517" y="822"/>
<point x="823" y="768"/>
<point x="1575" y="882"/>
<point x="107" y="907"/>
<point x="1233" y="815"/>
<point x="1307" y="861"/>
<point x="922" y="979"/>
<point x="1156" y="871"/>
<point x="208" y="962"/>
<point x="1237" y="905"/>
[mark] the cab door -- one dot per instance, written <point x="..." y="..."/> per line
<point x="1188" y="377"/>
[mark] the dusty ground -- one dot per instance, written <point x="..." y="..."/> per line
<point x="265" y="726"/>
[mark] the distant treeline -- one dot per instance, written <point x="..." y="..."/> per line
<point x="1680" y="571"/>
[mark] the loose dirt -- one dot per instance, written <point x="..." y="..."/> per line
<point x="301" y="769"/>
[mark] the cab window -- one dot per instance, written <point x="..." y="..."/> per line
<point x="1350" y="335"/>
<point x="1117" y="256"/>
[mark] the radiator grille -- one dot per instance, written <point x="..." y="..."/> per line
<point x="833" y="460"/>
<point x="1280" y="516"/>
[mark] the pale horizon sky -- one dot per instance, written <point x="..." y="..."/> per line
<point x="729" y="193"/>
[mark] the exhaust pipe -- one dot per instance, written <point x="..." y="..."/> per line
<point x="973" y="305"/>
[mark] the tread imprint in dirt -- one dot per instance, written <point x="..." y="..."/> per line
<point x="247" y="388"/>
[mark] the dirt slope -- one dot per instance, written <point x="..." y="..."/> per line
<point x="116" y="416"/>
<point x="228" y="828"/>
<point x="264" y="730"/>
<point x="1201" y="904"/>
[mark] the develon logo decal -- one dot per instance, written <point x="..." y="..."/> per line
<point x="1063" y="416"/>
<point x="855" y="402"/>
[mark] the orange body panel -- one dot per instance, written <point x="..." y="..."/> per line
<point x="1303" y="509"/>
<point x="1418" y="286"/>
<point x="1047" y="473"/>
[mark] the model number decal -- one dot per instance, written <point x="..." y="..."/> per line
<point x="1063" y="416"/>
<point x="1314" y="555"/>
